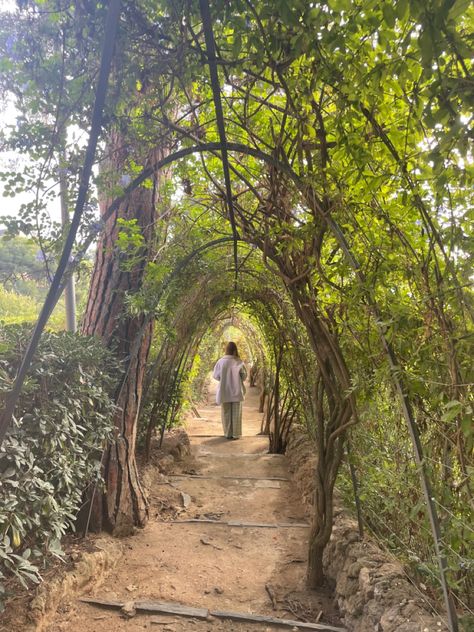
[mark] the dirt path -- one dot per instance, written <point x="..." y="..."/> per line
<point x="218" y="566"/>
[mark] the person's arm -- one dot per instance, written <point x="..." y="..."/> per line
<point x="216" y="374"/>
<point x="243" y="373"/>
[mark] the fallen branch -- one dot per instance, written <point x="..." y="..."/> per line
<point x="271" y="594"/>
<point x="195" y="411"/>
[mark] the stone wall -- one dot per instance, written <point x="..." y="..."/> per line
<point x="372" y="591"/>
<point x="90" y="570"/>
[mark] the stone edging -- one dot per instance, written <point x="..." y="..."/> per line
<point x="89" y="571"/>
<point x="371" y="589"/>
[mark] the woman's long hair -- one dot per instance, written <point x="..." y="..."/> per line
<point x="231" y="349"/>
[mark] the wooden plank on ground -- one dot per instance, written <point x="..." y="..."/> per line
<point x="103" y="602"/>
<point x="216" y="436"/>
<point x="164" y="607"/>
<point x="195" y="520"/>
<point x="255" y="618"/>
<point x="258" y="525"/>
<point x="255" y="455"/>
<point x="172" y="608"/>
<point x="229" y="477"/>
<point x="240" y="523"/>
<point x="277" y="525"/>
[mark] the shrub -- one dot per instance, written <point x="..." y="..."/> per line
<point x="53" y="448"/>
<point x="17" y="308"/>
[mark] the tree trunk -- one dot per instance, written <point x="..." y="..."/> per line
<point x="331" y="422"/>
<point x="123" y="504"/>
<point x="275" y="436"/>
<point x="321" y="522"/>
<point x="315" y="573"/>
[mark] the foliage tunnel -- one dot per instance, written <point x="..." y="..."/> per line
<point x="302" y="170"/>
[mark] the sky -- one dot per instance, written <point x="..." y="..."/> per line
<point x="9" y="205"/>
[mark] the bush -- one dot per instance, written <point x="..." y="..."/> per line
<point x="17" y="308"/>
<point x="54" y="446"/>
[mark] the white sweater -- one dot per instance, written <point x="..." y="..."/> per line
<point x="230" y="372"/>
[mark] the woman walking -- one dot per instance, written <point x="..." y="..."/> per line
<point x="230" y="372"/>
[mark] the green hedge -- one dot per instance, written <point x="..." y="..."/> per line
<point x="53" y="449"/>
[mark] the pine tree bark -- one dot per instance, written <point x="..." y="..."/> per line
<point x="122" y="505"/>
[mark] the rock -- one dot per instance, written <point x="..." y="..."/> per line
<point x="365" y="582"/>
<point x="166" y="463"/>
<point x="354" y="570"/>
<point x="186" y="499"/>
<point x="176" y="444"/>
<point x="371" y="589"/>
<point x="89" y="571"/>
<point x="128" y="609"/>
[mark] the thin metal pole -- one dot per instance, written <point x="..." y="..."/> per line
<point x="112" y="21"/>
<point x="215" y="85"/>
<point x="70" y="290"/>
<point x="397" y="374"/>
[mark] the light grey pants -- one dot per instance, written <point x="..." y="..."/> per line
<point x="231" y="415"/>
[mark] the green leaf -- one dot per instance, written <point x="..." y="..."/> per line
<point x="458" y="9"/>
<point x="401" y="9"/>
<point x="389" y="15"/>
<point x="467" y="426"/>
<point x="236" y="45"/>
<point x="425" y="43"/>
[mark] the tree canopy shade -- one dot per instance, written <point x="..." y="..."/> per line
<point x="334" y="138"/>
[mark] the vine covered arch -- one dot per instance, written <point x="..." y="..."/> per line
<point x="319" y="183"/>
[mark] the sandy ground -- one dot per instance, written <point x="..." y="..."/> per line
<point x="217" y="566"/>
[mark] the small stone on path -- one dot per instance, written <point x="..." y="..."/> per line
<point x="186" y="499"/>
<point x="207" y="541"/>
<point x="128" y="609"/>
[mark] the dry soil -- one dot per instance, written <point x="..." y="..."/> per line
<point x="217" y="566"/>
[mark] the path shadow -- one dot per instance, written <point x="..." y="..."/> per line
<point x="214" y="441"/>
<point x="210" y="441"/>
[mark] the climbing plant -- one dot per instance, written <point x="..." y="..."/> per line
<point x="348" y="128"/>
